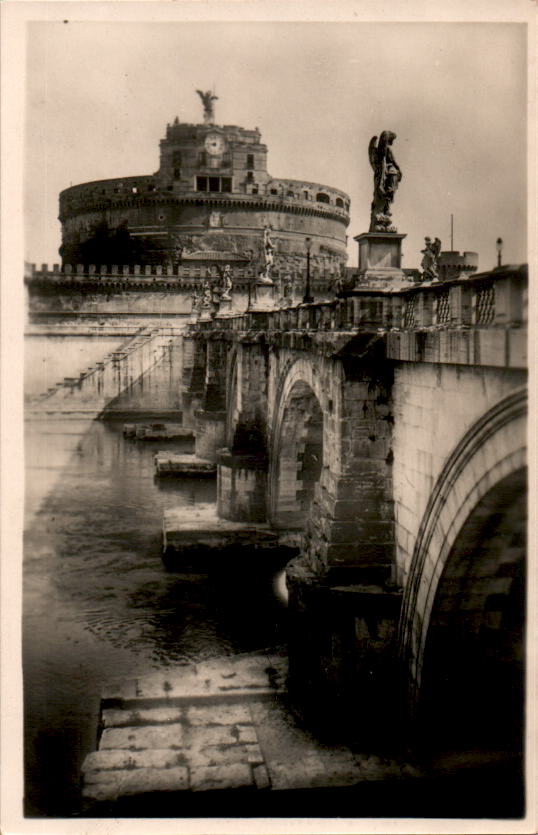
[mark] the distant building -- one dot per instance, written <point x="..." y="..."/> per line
<point x="209" y="202"/>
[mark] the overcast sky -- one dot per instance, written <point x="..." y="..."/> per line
<point x="100" y="95"/>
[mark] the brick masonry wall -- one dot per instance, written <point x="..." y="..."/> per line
<point x="433" y="407"/>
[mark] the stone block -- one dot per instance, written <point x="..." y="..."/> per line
<point x="146" y="736"/>
<point x="225" y="754"/>
<point x="354" y="553"/>
<point x="247" y="733"/>
<point x="116" y="759"/>
<point x="205" y="736"/>
<point x="150" y="716"/>
<point x="175" y="685"/>
<point x="218" y="715"/>
<point x="261" y="777"/>
<point x="109" y="786"/>
<point x="209" y="778"/>
<point x="154" y="780"/>
<point x="517" y="348"/>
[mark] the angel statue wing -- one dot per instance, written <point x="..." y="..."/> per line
<point x="372" y="152"/>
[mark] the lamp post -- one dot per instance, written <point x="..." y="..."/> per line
<point x="307" y="298"/>
<point x="499" y="245"/>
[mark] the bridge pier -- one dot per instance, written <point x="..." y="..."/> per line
<point x="210" y="419"/>
<point x="342" y="656"/>
<point x="343" y="606"/>
<point x="241" y="487"/>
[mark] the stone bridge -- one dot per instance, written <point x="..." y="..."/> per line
<point x="388" y="425"/>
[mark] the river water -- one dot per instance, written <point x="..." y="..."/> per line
<point x="99" y="604"/>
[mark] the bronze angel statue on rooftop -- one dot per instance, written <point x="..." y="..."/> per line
<point x="208" y="97"/>
<point x="387" y="176"/>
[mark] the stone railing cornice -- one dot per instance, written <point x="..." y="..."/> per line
<point x="459" y="303"/>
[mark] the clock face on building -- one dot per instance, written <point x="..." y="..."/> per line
<point x="214" y="144"/>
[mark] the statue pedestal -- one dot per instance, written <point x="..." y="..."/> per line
<point x="380" y="259"/>
<point x="205" y="315"/>
<point x="265" y="296"/>
<point x="225" y="308"/>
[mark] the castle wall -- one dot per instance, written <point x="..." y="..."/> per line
<point x="218" y="196"/>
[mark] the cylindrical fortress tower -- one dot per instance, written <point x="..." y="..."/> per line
<point x="209" y="202"/>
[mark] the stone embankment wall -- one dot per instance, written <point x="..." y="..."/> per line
<point x="98" y="385"/>
<point x="112" y="294"/>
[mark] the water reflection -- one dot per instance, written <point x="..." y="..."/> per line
<point x="99" y="604"/>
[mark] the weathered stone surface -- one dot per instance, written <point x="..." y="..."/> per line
<point x="118" y="759"/>
<point x="201" y="527"/>
<point x="107" y="786"/>
<point x="146" y="736"/>
<point x="172" y="464"/>
<point x="203" y="736"/>
<point x="172" y="685"/>
<point x="247" y="733"/>
<point x="218" y="714"/>
<point x="261" y="777"/>
<point x="208" y="778"/>
<point x="139" y="716"/>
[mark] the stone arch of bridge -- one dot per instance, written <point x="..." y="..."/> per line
<point x="473" y="487"/>
<point x="296" y="447"/>
<point x="472" y="668"/>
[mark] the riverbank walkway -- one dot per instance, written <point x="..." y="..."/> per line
<point x="216" y="726"/>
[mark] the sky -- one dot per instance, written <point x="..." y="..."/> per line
<point x="99" y="96"/>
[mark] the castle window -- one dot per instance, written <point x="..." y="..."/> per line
<point x="134" y="190"/>
<point x="291" y="194"/>
<point x="151" y="188"/>
<point x="250" y="160"/>
<point x="305" y="194"/>
<point x="340" y="202"/>
<point x="321" y="197"/>
<point x="176" y="159"/>
<point x="254" y="189"/>
<point x="213" y="184"/>
<point x="177" y="173"/>
<point x="250" y="177"/>
<point x="274" y="191"/>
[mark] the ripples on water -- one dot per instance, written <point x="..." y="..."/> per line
<point x="99" y="604"/>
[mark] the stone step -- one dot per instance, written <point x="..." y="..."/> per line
<point x="169" y="464"/>
<point x="208" y="681"/>
<point x="189" y="745"/>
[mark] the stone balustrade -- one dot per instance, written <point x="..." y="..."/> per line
<point x="494" y="299"/>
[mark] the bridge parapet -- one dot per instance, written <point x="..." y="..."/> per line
<point x="493" y="299"/>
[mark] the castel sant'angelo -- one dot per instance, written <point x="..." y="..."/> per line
<point x="208" y="204"/>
